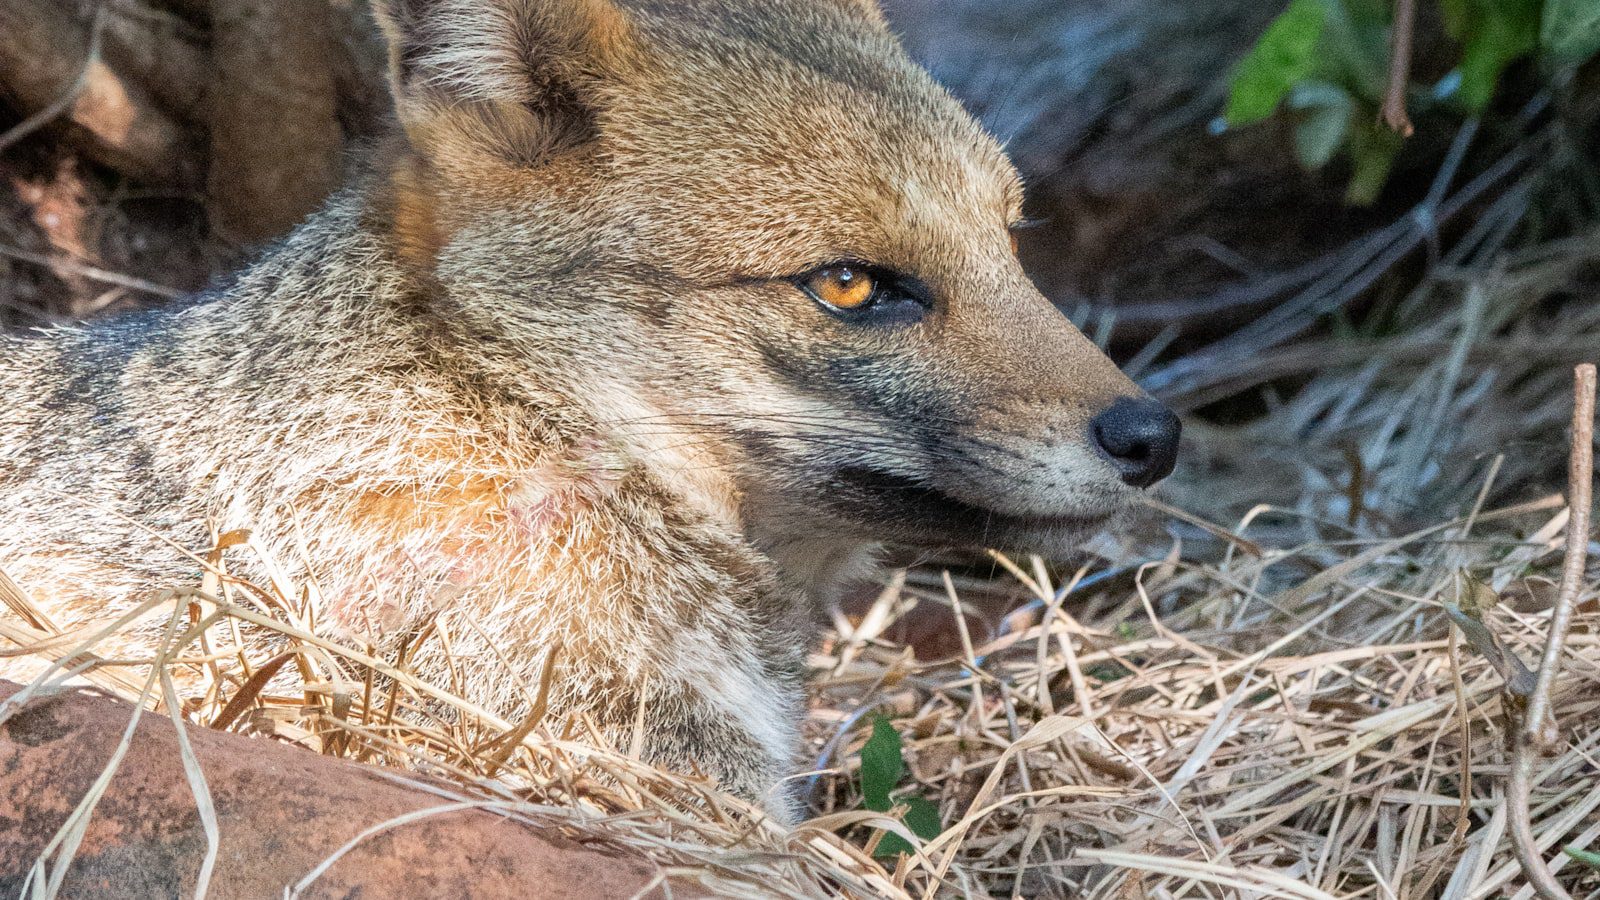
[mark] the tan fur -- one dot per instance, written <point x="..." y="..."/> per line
<point x="543" y="376"/>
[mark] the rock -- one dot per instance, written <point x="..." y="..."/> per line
<point x="282" y="811"/>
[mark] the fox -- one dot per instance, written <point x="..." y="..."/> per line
<point x="638" y="336"/>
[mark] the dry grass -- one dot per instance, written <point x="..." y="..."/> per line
<point x="1309" y="741"/>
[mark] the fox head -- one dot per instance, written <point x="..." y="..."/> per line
<point x="753" y="237"/>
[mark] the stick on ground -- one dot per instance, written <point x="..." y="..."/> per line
<point x="1394" y="100"/>
<point x="1536" y="732"/>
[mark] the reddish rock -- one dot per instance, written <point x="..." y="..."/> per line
<point x="282" y="811"/>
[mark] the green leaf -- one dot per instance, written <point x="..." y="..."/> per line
<point x="1584" y="856"/>
<point x="1283" y="56"/>
<point x="891" y="845"/>
<point x="1369" y="12"/>
<point x="922" y="817"/>
<point x="1372" y="152"/>
<point x="1325" y="121"/>
<point x="1493" y="34"/>
<point x="882" y="764"/>
<point x="1457" y="15"/>
<point x="1570" y="31"/>
<point x="1354" y="51"/>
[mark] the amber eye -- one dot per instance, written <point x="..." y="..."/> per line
<point x="842" y="287"/>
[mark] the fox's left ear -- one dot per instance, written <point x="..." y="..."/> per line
<point x="520" y="78"/>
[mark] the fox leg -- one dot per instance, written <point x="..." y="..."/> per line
<point x="750" y="752"/>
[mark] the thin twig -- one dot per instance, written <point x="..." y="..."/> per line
<point x="1536" y="732"/>
<point x="93" y="273"/>
<point x="1581" y="476"/>
<point x="1394" y="99"/>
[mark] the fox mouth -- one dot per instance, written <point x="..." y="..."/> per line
<point x="912" y="510"/>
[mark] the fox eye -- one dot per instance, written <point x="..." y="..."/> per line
<point x="842" y="287"/>
<point x="863" y="294"/>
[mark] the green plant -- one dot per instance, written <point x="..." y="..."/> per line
<point x="1326" y="63"/>
<point x="1584" y="856"/>
<point x="882" y="766"/>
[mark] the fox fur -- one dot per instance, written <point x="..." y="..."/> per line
<point x="543" y="372"/>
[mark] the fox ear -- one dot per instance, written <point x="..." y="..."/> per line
<point x="521" y="78"/>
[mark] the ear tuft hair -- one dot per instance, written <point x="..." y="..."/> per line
<point x="502" y="61"/>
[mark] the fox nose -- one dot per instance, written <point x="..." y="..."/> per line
<point x="1140" y="437"/>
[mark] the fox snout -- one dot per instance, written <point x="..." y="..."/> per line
<point x="1140" y="438"/>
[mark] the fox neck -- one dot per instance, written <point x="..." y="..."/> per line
<point x="819" y="564"/>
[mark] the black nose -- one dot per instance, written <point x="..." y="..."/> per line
<point x="1140" y="437"/>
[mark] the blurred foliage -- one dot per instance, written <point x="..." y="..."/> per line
<point x="1325" y="64"/>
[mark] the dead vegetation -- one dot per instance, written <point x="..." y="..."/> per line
<point x="162" y="140"/>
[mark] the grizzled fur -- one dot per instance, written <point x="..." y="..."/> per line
<point x="544" y="373"/>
